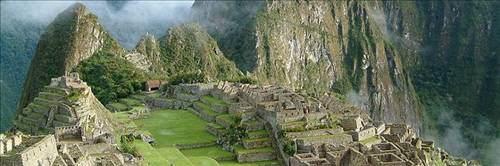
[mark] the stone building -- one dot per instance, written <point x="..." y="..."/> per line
<point x="152" y="85"/>
<point x="28" y="150"/>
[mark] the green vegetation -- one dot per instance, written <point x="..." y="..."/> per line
<point x="257" y="134"/>
<point x="242" y="150"/>
<point x="130" y="102"/>
<point x="203" y="161"/>
<point x="188" y="49"/>
<point x="206" y="109"/>
<point x="173" y="155"/>
<point x="170" y="127"/>
<point x="127" y="145"/>
<point x="243" y="80"/>
<point x="150" y="155"/>
<point x="111" y="77"/>
<point x="73" y="96"/>
<point x="215" y="152"/>
<point x="234" y="134"/>
<point x="187" y="78"/>
<point x="213" y="100"/>
<point x="117" y="107"/>
<point x="260" y="163"/>
<point x="289" y="147"/>
<point x="369" y="140"/>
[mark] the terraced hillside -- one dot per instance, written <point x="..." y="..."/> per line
<point x="184" y="137"/>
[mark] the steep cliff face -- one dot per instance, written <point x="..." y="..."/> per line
<point x="190" y="49"/>
<point x="320" y="46"/>
<point x="150" y="48"/>
<point x="458" y="54"/>
<point x="73" y="36"/>
<point x="456" y="70"/>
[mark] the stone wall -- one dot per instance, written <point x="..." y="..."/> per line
<point x="44" y="152"/>
<point x="8" y="143"/>
<point x="289" y="115"/>
<point x="252" y="157"/>
<point x="162" y="103"/>
<point x="68" y="132"/>
<point x="336" y="139"/>
<point x="311" y="133"/>
<point x="364" y="134"/>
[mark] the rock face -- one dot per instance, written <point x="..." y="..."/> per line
<point x="190" y="49"/>
<point x="150" y="48"/>
<point x="318" y="47"/>
<point x="456" y="44"/>
<point x="66" y="102"/>
<point x="72" y="37"/>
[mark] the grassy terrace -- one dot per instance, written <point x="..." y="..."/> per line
<point x="246" y="140"/>
<point x="227" y="118"/>
<point x="130" y="102"/>
<point x="258" y="134"/>
<point x="204" y="161"/>
<point x="241" y="150"/>
<point x="213" y="100"/>
<point x="214" y="152"/>
<point x="173" y="127"/>
<point x="206" y="109"/>
<point x="118" y="107"/>
<point x="170" y="127"/>
<point x="260" y="163"/>
<point x="151" y="156"/>
<point x="369" y="140"/>
<point x="215" y="126"/>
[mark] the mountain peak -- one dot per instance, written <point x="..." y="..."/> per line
<point x="73" y="36"/>
<point x="77" y="9"/>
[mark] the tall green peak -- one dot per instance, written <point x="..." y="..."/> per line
<point x="149" y="46"/>
<point x="188" y="49"/>
<point x="73" y="36"/>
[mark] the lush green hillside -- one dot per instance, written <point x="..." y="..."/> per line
<point x="111" y="77"/>
<point x="190" y="49"/>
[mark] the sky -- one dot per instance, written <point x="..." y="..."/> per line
<point x="125" y="20"/>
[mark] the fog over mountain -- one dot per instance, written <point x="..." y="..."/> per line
<point x="126" y="20"/>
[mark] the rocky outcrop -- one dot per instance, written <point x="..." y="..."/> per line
<point x="72" y="37"/>
<point x="318" y="46"/>
<point x="149" y="47"/>
<point x="190" y="49"/>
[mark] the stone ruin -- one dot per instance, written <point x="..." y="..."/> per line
<point x="18" y="149"/>
<point x="324" y="131"/>
<point x="64" y="125"/>
<point x="68" y="108"/>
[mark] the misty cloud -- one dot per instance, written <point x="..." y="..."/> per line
<point x="357" y="100"/>
<point x="451" y="137"/>
<point x="126" y="21"/>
